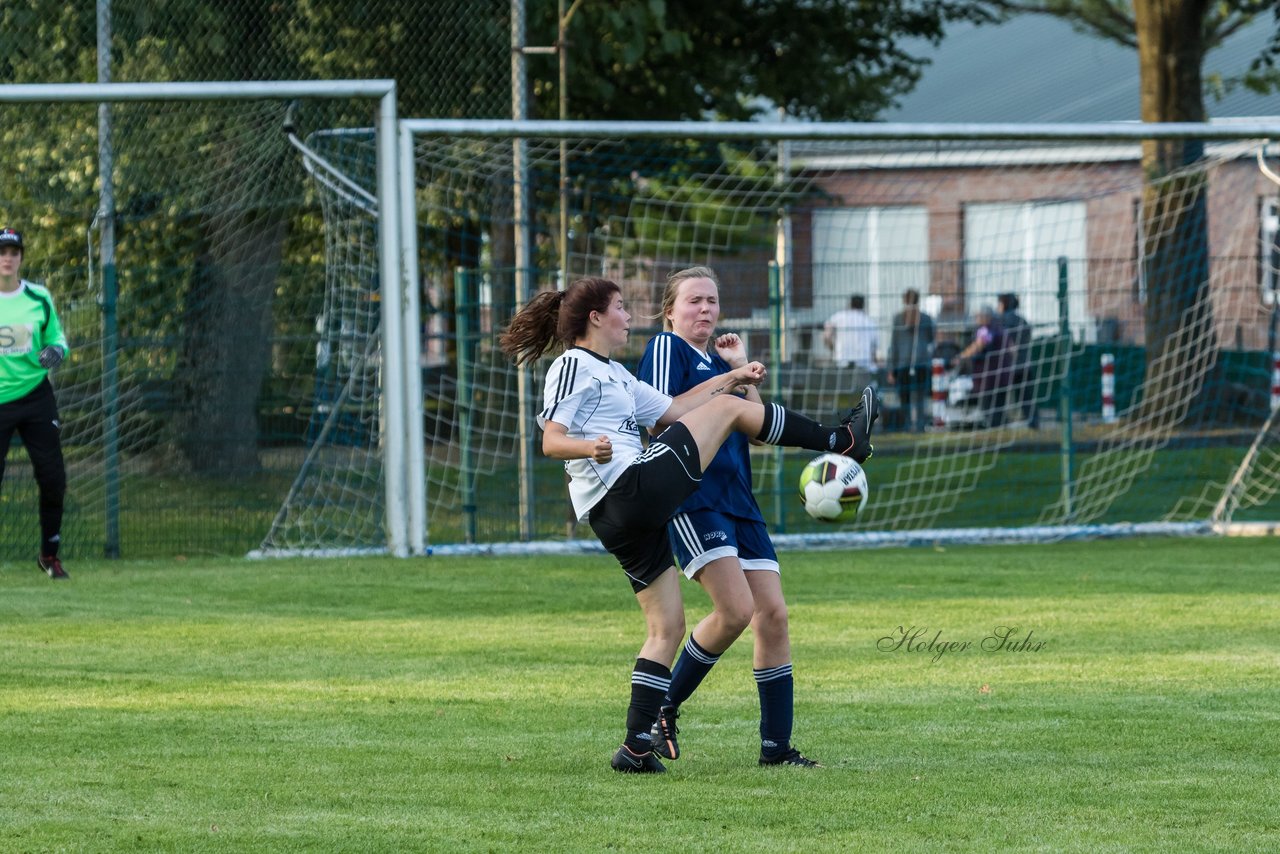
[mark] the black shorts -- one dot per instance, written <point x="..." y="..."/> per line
<point x="631" y="519"/>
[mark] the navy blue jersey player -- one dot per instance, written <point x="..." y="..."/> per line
<point x="673" y="366"/>
<point x="718" y="533"/>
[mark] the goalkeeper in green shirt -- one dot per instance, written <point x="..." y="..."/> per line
<point x="31" y="342"/>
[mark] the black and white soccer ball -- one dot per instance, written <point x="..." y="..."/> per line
<point x="834" y="488"/>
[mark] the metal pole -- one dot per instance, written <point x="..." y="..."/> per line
<point x="782" y="247"/>
<point x="221" y="90"/>
<point x="415" y="453"/>
<point x="811" y="131"/>
<point x="1064" y="390"/>
<point x="109" y="296"/>
<point x="390" y="284"/>
<point x="1274" y="324"/>
<point x="775" y="385"/>
<point x="562" y="50"/>
<point x="780" y="347"/>
<point x="462" y="306"/>
<point x="523" y="239"/>
<point x="1274" y="264"/>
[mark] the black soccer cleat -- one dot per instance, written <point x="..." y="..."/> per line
<point x="664" y="733"/>
<point x="628" y="762"/>
<point x="51" y="567"/>
<point x="858" y="424"/>
<point x="790" y="756"/>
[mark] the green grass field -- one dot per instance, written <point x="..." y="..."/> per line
<point x="471" y="704"/>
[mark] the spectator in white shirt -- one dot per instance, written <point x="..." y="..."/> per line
<point x="851" y="336"/>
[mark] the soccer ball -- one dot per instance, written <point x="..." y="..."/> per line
<point x="834" y="488"/>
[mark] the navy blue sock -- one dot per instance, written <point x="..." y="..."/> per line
<point x="694" y="664"/>
<point x="650" y="682"/>
<point x="784" y="427"/>
<point x="777" y="712"/>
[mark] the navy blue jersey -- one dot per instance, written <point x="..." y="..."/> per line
<point x="673" y="366"/>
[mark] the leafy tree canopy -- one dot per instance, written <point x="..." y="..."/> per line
<point x="738" y="59"/>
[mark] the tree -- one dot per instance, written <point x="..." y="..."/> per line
<point x="1172" y="38"/>
<point x="638" y="59"/>
<point x="226" y="318"/>
<point x="815" y="59"/>
<point x="1263" y="76"/>
<point x="731" y="60"/>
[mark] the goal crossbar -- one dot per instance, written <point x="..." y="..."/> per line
<point x="39" y="93"/>
<point x="840" y="131"/>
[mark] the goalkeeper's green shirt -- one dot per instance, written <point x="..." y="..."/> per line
<point x="28" y="324"/>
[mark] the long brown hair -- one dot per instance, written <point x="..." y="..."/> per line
<point x="673" y="290"/>
<point x="554" y="317"/>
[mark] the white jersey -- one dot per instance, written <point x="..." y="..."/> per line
<point x="594" y="396"/>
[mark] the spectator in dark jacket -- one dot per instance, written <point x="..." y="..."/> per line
<point x="1022" y="391"/>
<point x="910" y="349"/>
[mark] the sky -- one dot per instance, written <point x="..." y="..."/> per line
<point x="1035" y="68"/>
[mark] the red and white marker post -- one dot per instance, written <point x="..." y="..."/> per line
<point x="939" y="389"/>
<point x="1108" y="388"/>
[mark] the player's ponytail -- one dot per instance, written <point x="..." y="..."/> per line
<point x="554" y="316"/>
<point x="533" y="330"/>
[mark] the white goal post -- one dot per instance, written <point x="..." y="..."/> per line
<point x="687" y="213"/>
<point x="397" y="380"/>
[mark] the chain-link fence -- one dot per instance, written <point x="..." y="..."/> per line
<point x="450" y="58"/>
<point x="192" y="184"/>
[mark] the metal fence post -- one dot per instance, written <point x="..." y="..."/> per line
<point x="463" y="306"/>
<point x="775" y="385"/>
<point x="1064" y="390"/>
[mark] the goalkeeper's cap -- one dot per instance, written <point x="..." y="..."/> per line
<point x="10" y="237"/>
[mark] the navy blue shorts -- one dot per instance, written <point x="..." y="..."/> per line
<point x="701" y="536"/>
<point x="631" y="519"/>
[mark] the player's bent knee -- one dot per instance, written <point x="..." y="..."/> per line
<point x="667" y="642"/>
<point x="668" y="628"/>
<point x="736" y="619"/>
<point x="771" y="618"/>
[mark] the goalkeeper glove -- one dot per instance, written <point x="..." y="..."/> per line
<point x="51" y="356"/>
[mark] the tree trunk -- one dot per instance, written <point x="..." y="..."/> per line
<point x="1175" y="260"/>
<point x="227" y="340"/>
<point x="225" y="351"/>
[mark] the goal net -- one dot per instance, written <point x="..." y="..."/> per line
<point x="1137" y="393"/>
<point x="225" y="339"/>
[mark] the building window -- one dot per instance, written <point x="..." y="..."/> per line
<point x="878" y="252"/>
<point x="1014" y="248"/>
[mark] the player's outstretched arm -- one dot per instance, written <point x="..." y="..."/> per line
<point x="750" y="374"/>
